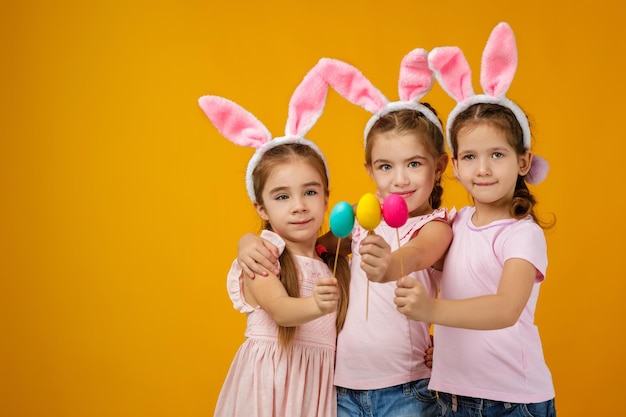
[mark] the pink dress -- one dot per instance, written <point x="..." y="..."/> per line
<point x="264" y="381"/>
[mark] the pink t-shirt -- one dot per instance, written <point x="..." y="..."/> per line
<point x="386" y="349"/>
<point x="505" y="364"/>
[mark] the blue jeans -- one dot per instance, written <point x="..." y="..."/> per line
<point x="411" y="399"/>
<point x="459" y="406"/>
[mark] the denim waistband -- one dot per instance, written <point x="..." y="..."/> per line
<point x="471" y="402"/>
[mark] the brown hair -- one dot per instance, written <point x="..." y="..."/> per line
<point x="411" y="121"/>
<point x="272" y="159"/>
<point x="501" y="117"/>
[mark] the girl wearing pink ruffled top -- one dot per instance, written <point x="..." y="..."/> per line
<point x="285" y="367"/>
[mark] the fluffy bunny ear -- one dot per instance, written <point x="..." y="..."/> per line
<point x="416" y="78"/>
<point x="499" y="61"/>
<point x="234" y="122"/>
<point x="306" y="104"/>
<point x="452" y="71"/>
<point x="538" y="172"/>
<point x="351" y="84"/>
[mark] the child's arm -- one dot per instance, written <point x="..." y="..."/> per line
<point x="487" y="312"/>
<point x="421" y="252"/>
<point x="288" y="311"/>
<point x="257" y="256"/>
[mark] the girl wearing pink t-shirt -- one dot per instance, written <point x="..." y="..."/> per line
<point x="489" y="358"/>
<point x="381" y="367"/>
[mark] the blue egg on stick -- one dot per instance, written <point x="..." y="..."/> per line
<point x="342" y="219"/>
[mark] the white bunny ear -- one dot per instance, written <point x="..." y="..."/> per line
<point x="416" y="78"/>
<point x="351" y="84"/>
<point x="499" y="61"/>
<point x="452" y="71"/>
<point x="234" y="122"/>
<point x="306" y="104"/>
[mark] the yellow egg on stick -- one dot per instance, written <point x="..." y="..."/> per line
<point x="368" y="213"/>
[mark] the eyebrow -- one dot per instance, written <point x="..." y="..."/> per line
<point x="412" y="158"/>
<point x="305" y="185"/>
<point x="496" y="149"/>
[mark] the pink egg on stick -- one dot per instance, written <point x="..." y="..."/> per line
<point x="395" y="210"/>
<point x="396" y="213"/>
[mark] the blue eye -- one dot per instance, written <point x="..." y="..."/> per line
<point x="414" y="164"/>
<point x="385" y="167"/>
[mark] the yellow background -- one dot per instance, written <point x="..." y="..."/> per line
<point x="122" y="205"/>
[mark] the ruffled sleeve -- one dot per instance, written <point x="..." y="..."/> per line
<point x="234" y="280"/>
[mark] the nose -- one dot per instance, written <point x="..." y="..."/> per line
<point x="298" y="204"/>
<point x="400" y="178"/>
<point x="484" y="167"/>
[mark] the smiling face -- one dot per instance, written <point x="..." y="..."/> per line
<point x="402" y="164"/>
<point x="488" y="166"/>
<point x="294" y="203"/>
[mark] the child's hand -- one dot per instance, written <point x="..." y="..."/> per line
<point x="375" y="257"/>
<point x="428" y="357"/>
<point x="257" y="256"/>
<point x="326" y="294"/>
<point x="412" y="300"/>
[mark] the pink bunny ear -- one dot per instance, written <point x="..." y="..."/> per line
<point x="416" y="78"/>
<point x="499" y="61"/>
<point x="351" y="84"/>
<point x="234" y="122"/>
<point x="452" y="71"/>
<point x="306" y="104"/>
<point x="538" y="172"/>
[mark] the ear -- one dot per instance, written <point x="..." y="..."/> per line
<point x="351" y="84"/>
<point x="369" y="170"/>
<point x="524" y="163"/>
<point x="452" y="71"/>
<point x="234" y="122"/>
<point x="306" y="104"/>
<point x="260" y="209"/>
<point x="416" y="78"/>
<point x="499" y="61"/>
<point x="455" y="167"/>
<point x="440" y="165"/>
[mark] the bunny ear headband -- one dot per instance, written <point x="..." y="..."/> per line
<point x="499" y="62"/>
<point x="244" y="129"/>
<point x="416" y="79"/>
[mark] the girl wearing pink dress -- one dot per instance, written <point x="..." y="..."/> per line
<point x="285" y="367"/>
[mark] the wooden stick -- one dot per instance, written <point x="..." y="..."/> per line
<point x="336" y="256"/>
<point x="400" y="254"/>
